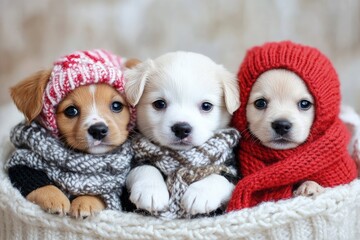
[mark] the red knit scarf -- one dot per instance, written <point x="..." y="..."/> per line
<point x="273" y="174"/>
<point x="269" y="174"/>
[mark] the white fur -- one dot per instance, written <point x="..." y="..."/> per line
<point x="283" y="90"/>
<point x="207" y="194"/>
<point x="92" y="118"/>
<point x="184" y="80"/>
<point x="148" y="189"/>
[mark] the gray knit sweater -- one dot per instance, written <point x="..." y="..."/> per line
<point x="183" y="167"/>
<point x="73" y="172"/>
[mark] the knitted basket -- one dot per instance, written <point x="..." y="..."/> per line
<point x="332" y="215"/>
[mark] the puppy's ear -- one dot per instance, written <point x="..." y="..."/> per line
<point x="131" y="63"/>
<point x="231" y="90"/>
<point x="27" y="95"/>
<point x="136" y="79"/>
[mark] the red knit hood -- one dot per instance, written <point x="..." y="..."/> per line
<point x="261" y="165"/>
<point x="308" y="63"/>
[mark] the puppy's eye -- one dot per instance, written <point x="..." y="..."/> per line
<point x="71" y="112"/>
<point x="159" y="104"/>
<point x="304" y="105"/>
<point x="206" y="106"/>
<point x="116" y="107"/>
<point x="260" y="104"/>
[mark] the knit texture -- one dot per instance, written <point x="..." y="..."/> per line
<point x="272" y="174"/>
<point x="78" y="69"/>
<point x="74" y="172"/>
<point x="332" y="215"/>
<point x="183" y="167"/>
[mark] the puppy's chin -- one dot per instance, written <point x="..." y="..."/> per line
<point x="180" y="145"/>
<point x="281" y="144"/>
<point x="176" y="144"/>
<point x="187" y="143"/>
<point x="100" y="149"/>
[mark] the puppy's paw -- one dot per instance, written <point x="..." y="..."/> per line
<point x="207" y="195"/>
<point x="85" y="206"/>
<point x="50" y="199"/>
<point x="309" y="189"/>
<point x="147" y="188"/>
<point x="151" y="197"/>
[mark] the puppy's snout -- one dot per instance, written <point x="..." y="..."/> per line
<point x="181" y="130"/>
<point x="98" y="131"/>
<point x="282" y="126"/>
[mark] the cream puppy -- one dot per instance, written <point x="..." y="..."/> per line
<point x="182" y="98"/>
<point x="280" y="113"/>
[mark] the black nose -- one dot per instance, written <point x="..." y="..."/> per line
<point x="281" y="127"/>
<point x="98" y="131"/>
<point x="181" y="130"/>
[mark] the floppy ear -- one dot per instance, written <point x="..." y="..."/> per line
<point x="231" y="90"/>
<point x="131" y="63"/>
<point x="27" y="95"/>
<point x="135" y="81"/>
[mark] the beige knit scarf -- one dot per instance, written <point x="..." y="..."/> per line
<point x="183" y="167"/>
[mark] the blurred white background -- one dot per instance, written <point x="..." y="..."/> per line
<point x="33" y="33"/>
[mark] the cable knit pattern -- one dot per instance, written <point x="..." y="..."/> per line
<point x="183" y="167"/>
<point x="272" y="174"/>
<point x="74" y="172"/>
<point x="332" y="215"/>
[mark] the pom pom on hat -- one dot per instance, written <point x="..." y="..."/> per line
<point x="78" y="69"/>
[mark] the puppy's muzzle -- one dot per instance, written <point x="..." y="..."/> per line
<point x="98" y="131"/>
<point x="281" y="126"/>
<point x="181" y="130"/>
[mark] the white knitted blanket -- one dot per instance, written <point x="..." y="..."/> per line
<point x="332" y="215"/>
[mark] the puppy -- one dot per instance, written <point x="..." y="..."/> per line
<point x="280" y="114"/>
<point x="182" y="100"/>
<point x="89" y="114"/>
<point x="93" y="119"/>
<point x="292" y="137"/>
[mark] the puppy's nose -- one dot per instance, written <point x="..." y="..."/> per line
<point x="98" y="131"/>
<point x="181" y="130"/>
<point x="281" y="127"/>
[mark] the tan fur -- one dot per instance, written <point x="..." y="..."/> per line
<point x="50" y="199"/>
<point x="132" y="62"/>
<point x="283" y="90"/>
<point x="74" y="131"/>
<point x="85" y="206"/>
<point x="28" y="94"/>
<point x="309" y="189"/>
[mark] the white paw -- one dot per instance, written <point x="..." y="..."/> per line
<point x="207" y="195"/>
<point x="309" y="189"/>
<point x="147" y="189"/>
<point x="151" y="197"/>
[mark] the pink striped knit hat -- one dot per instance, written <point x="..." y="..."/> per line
<point x="78" y="69"/>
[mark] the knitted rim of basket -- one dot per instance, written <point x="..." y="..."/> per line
<point x="332" y="215"/>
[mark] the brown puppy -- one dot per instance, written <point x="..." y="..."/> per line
<point x="92" y="119"/>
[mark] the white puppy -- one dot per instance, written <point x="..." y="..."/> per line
<point x="280" y="113"/>
<point x="182" y="98"/>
